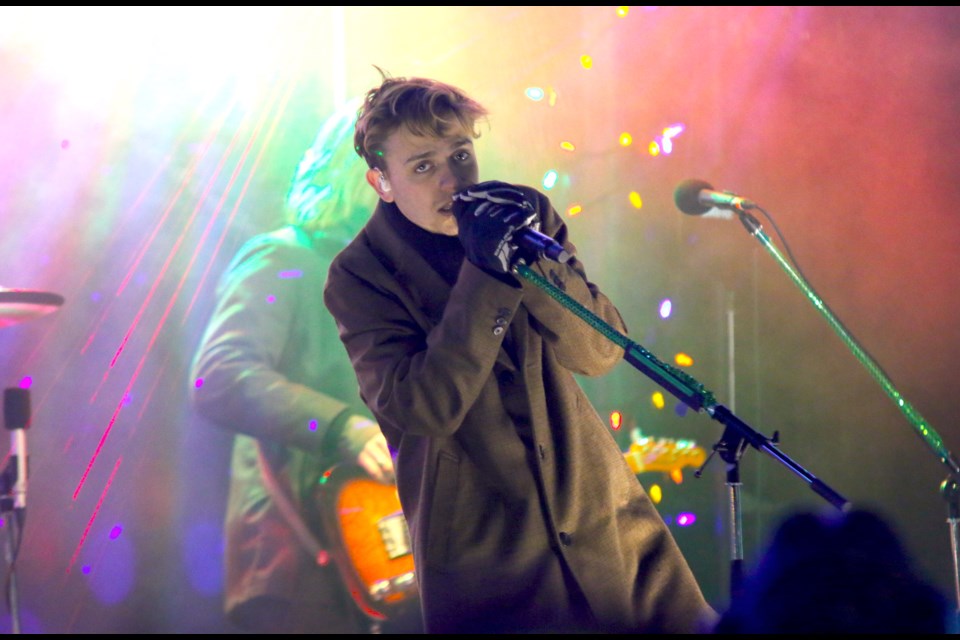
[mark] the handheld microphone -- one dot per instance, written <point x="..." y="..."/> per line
<point x="16" y="415"/>
<point x="540" y="244"/>
<point x="696" y="197"/>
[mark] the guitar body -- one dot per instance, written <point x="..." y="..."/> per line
<point x="369" y="541"/>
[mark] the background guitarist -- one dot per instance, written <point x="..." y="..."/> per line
<point x="270" y="368"/>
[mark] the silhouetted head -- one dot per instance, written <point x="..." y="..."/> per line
<point x="835" y="573"/>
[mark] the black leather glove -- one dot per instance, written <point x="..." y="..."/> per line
<point x="488" y="215"/>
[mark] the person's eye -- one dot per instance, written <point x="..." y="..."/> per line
<point x="423" y="167"/>
<point x="462" y="156"/>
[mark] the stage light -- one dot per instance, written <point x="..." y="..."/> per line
<point x="586" y="61"/>
<point x="626" y="139"/>
<point x="657" y="399"/>
<point x="534" y="93"/>
<point x="616" y="420"/>
<point x="655" y="493"/>
<point x="683" y="360"/>
<point x="550" y="179"/>
<point x="669" y="133"/>
<point x="635" y="200"/>
<point x="567" y="146"/>
<point x="574" y="209"/>
<point x="666" y="308"/>
<point x="686" y="519"/>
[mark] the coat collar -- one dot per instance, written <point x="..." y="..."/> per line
<point x="426" y="289"/>
<point x="421" y="281"/>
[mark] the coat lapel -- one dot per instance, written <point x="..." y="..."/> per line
<point x="427" y="291"/>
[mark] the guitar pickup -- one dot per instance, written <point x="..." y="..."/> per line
<point x="395" y="535"/>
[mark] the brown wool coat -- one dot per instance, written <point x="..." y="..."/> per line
<point x="516" y="493"/>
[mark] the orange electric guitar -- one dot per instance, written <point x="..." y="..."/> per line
<point x="369" y="541"/>
<point x="663" y="454"/>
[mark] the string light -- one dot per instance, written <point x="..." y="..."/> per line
<point x="657" y="399"/>
<point x="616" y="420"/>
<point x="550" y="179"/>
<point x="666" y="308"/>
<point x="534" y="93"/>
<point x="655" y="493"/>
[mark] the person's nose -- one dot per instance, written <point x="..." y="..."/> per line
<point x="448" y="180"/>
<point x="457" y="177"/>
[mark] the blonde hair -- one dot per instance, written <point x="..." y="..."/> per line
<point x="329" y="195"/>
<point x="426" y="107"/>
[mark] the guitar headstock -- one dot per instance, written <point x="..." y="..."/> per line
<point x="663" y="454"/>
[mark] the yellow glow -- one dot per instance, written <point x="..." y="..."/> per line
<point x="574" y="209"/>
<point x="626" y="139"/>
<point x="551" y="96"/>
<point x="586" y="61"/>
<point x="655" y="493"/>
<point x="635" y="199"/>
<point x="567" y="146"/>
<point x="654" y="148"/>
<point x="616" y="420"/>
<point x="683" y="360"/>
<point x="657" y="399"/>
<point x="622" y="11"/>
<point x="676" y="475"/>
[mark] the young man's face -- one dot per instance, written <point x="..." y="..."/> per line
<point x="423" y="173"/>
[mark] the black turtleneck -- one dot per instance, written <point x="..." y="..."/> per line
<point x="443" y="253"/>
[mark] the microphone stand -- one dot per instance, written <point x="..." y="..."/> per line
<point x="737" y="434"/>
<point x="13" y="479"/>
<point x="948" y="488"/>
<point x="12" y="523"/>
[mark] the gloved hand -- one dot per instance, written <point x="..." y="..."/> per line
<point x="488" y="215"/>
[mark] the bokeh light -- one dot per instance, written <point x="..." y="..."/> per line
<point x="666" y="308"/>
<point x="550" y="179"/>
<point x="657" y="399"/>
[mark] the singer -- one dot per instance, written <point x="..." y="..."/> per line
<point x="523" y="513"/>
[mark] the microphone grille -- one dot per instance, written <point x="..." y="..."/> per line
<point x="16" y="408"/>
<point x="687" y="196"/>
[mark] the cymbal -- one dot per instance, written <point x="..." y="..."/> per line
<point x="20" y="305"/>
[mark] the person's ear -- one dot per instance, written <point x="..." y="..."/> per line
<point x="380" y="184"/>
